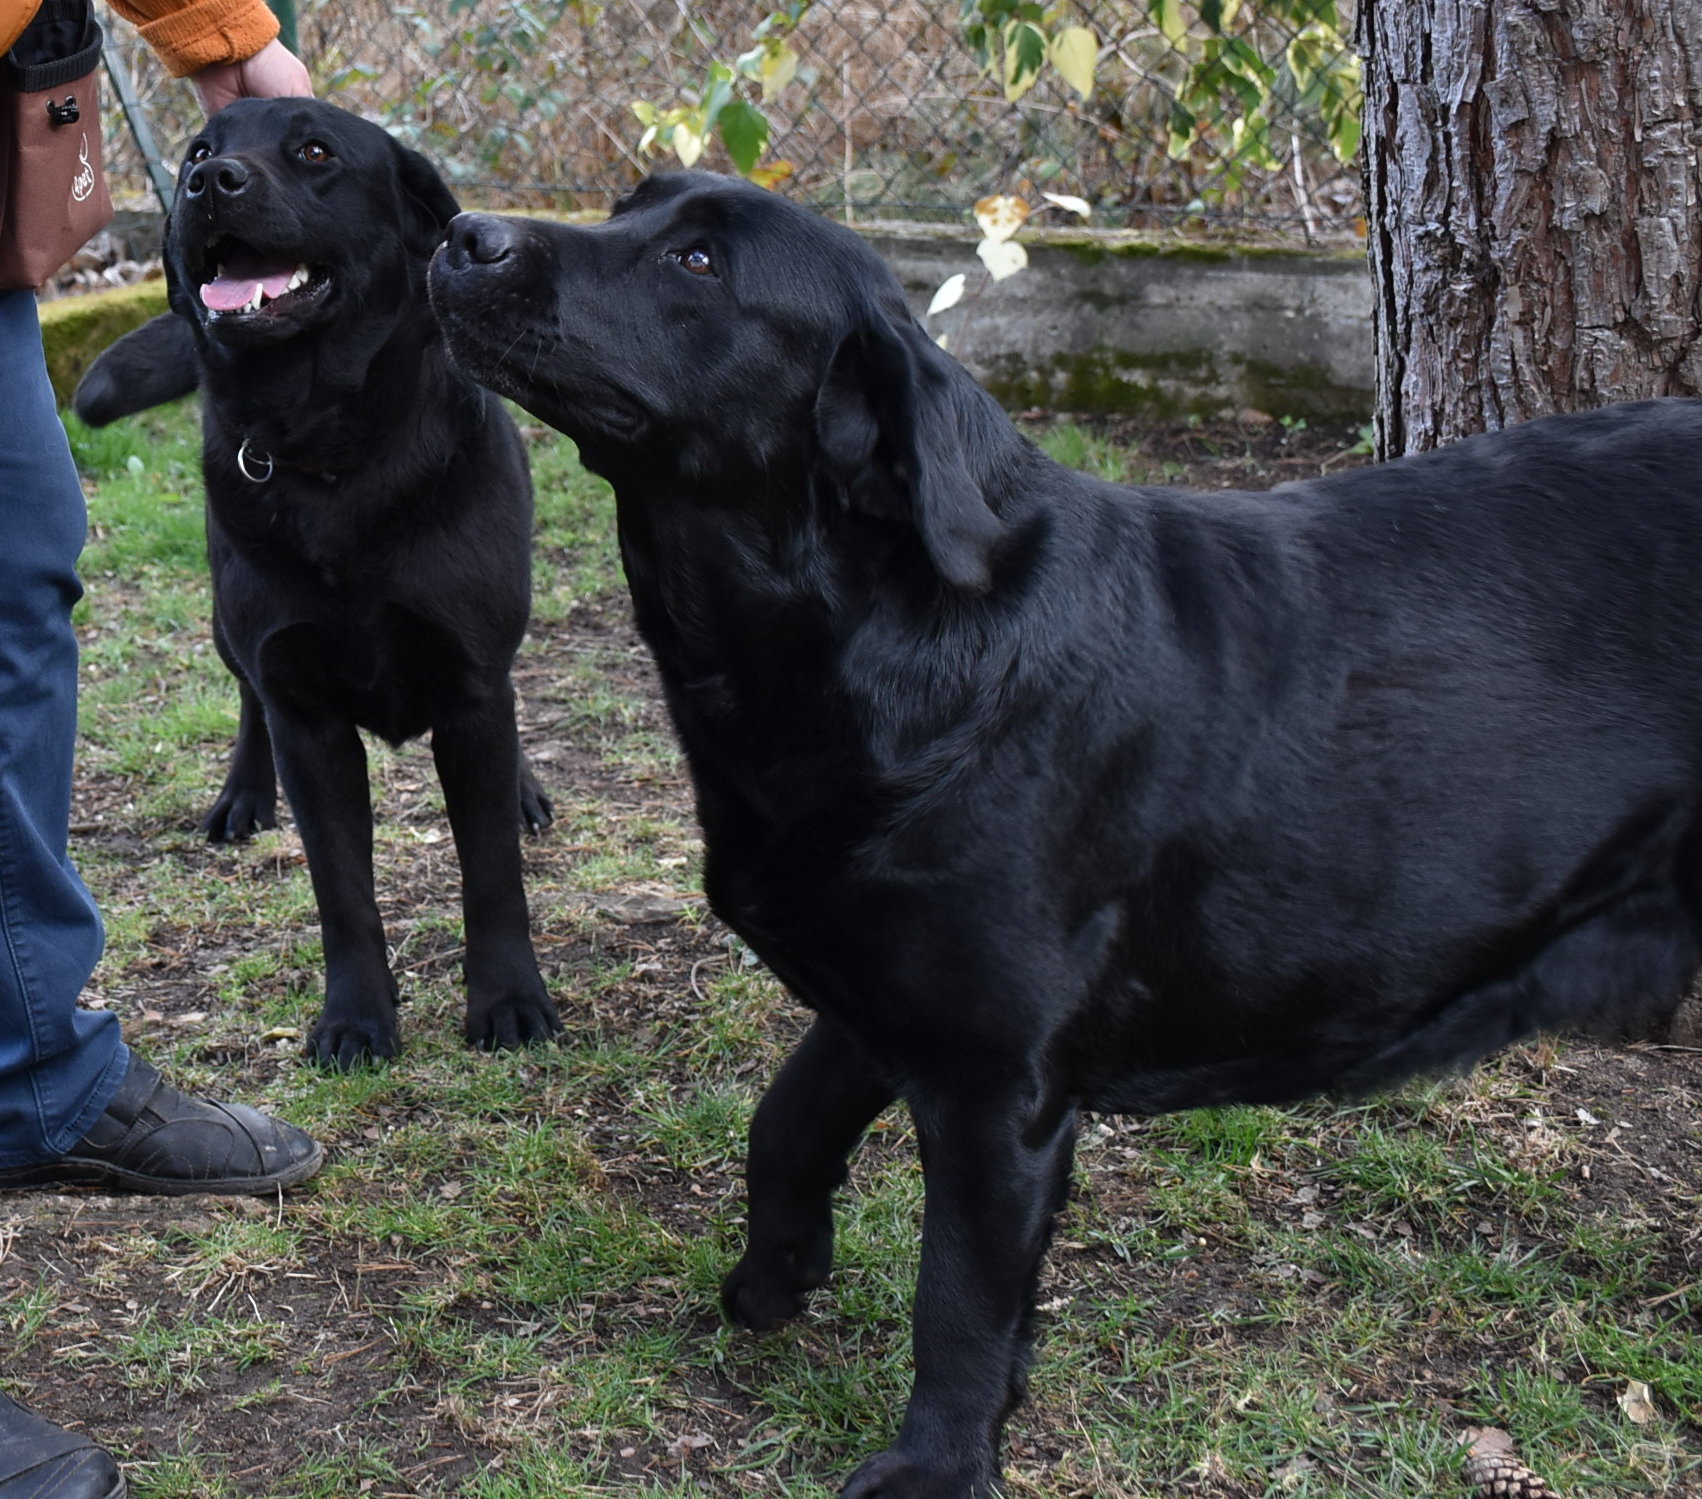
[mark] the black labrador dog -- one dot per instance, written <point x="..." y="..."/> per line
<point x="369" y="518"/>
<point x="1050" y="795"/>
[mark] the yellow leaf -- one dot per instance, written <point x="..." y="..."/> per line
<point x="1002" y="257"/>
<point x="688" y="144"/>
<point x="1025" y="51"/>
<point x="1075" y="54"/>
<point x="1000" y="216"/>
<point x="778" y="69"/>
<point x="772" y="173"/>
<point x="1168" y="15"/>
<point x="1016" y="83"/>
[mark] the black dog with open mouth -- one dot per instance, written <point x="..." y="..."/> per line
<point x="369" y="516"/>
<point x="1047" y="794"/>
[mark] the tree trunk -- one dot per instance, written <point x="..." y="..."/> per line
<point x="1533" y="188"/>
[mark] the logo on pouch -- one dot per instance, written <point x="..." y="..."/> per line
<point x="84" y="182"/>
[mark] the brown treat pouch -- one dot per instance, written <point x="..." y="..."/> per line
<point x="53" y="196"/>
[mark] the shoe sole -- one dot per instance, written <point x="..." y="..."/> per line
<point x="70" y="1171"/>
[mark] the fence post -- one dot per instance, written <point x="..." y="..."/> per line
<point x="159" y="174"/>
<point x="284" y="10"/>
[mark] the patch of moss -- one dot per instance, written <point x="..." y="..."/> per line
<point x="75" y="329"/>
<point x="1160" y="386"/>
<point x="1097" y="250"/>
<point x="1171" y="385"/>
<point x="1300" y="390"/>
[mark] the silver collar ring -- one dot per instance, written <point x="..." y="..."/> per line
<point x="257" y="474"/>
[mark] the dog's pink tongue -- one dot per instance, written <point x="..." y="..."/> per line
<point x="234" y="286"/>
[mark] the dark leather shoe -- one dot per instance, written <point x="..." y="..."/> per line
<point x="152" y="1138"/>
<point x="39" y="1460"/>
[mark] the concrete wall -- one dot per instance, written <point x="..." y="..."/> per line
<point x="1119" y="324"/>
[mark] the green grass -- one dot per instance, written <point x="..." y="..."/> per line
<point x="504" y="1283"/>
<point x="1077" y="447"/>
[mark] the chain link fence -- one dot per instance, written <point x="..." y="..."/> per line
<point x="528" y="104"/>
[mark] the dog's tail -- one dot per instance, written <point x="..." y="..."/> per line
<point x="148" y="367"/>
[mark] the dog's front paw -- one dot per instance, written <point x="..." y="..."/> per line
<point x="900" y="1474"/>
<point x="764" y="1290"/>
<point x="240" y="812"/>
<point x="346" y="1041"/>
<point x="511" y="1021"/>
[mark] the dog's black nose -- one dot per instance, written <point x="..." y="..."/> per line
<point x="222" y="175"/>
<point x="480" y="239"/>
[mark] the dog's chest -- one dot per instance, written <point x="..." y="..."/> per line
<point x="387" y="668"/>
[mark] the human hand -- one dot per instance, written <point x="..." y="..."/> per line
<point x="273" y="72"/>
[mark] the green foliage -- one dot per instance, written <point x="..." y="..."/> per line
<point x="1015" y="32"/>
<point x="1234" y="77"/>
<point x="719" y="106"/>
<point x="507" y="49"/>
<point x="1241" y="65"/>
<point x="1022" y="38"/>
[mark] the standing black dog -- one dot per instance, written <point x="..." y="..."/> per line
<point x="369" y="517"/>
<point x="1047" y="794"/>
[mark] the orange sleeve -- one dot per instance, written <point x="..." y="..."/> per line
<point x="14" y="16"/>
<point x="193" y="34"/>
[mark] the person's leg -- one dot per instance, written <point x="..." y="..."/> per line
<point x="75" y="1105"/>
<point x="59" y="1064"/>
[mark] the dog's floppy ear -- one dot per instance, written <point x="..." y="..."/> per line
<point x="149" y="366"/>
<point x="427" y="203"/>
<point x="888" y="434"/>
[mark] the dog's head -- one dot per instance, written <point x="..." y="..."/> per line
<point x="714" y="339"/>
<point x="291" y="215"/>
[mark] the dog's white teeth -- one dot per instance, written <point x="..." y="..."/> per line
<point x="258" y="300"/>
<point x="298" y="278"/>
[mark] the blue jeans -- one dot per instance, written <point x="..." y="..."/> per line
<point x="59" y="1065"/>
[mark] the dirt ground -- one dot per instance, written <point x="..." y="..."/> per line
<point x="337" y="1356"/>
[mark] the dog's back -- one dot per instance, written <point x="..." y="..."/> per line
<point x="1322" y="788"/>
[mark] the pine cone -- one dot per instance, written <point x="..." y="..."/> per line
<point x="1495" y="1473"/>
<point x="1505" y="1478"/>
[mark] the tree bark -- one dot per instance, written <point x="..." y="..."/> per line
<point x="1533" y="178"/>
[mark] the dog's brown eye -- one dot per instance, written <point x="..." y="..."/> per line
<point x="200" y="151"/>
<point x="315" y="152"/>
<point x="697" y="261"/>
